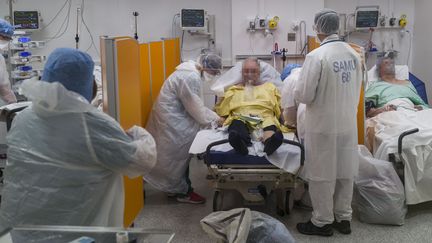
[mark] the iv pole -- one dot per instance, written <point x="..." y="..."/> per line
<point x="135" y="14"/>
<point x="77" y="35"/>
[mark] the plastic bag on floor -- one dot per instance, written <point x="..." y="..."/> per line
<point x="379" y="194"/>
<point x="266" y="229"/>
<point x="241" y="225"/>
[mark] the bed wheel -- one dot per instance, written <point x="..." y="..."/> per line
<point x="217" y="201"/>
<point x="287" y="205"/>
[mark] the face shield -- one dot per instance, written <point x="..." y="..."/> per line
<point x="210" y="75"/>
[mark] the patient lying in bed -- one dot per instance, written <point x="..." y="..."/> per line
<point x="390" y="93"/>
<point x="250" y="106"/>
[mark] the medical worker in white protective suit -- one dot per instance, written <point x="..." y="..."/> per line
<point x="329" y="85"/>
<point x="66" y="160"/>
<point x="176" y="118"/>
<point x="7" y="96"/>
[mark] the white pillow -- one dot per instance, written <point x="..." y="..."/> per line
<point x="402" y="73"/>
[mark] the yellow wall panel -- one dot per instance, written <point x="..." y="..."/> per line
<point x="361" y="105"/>
<point x="361" y="118"/>
<point x="128" y="65"/>
<point x="146" y="100"/>
<point x="129" y="95"/>
<point x="172" y="55"/>
<point x="157" y="68"/>
<point x="312" y="43"/>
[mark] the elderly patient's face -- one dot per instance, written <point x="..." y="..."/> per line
<point x="251" y="72"/>
<point x="387" y="67"/>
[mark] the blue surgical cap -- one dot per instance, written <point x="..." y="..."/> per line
<point x="73" y="69"/>
<point x="6" y="29"/>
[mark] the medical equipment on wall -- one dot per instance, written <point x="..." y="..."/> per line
<point x="268" y="25"/>
<point x="366" y="17"/>
<point x="198" y="24"/>
<point x="26" y="20"/>
<point x="403" y="21"/>
<point x="21" y="57"/>
<point x="193" y="19"/>
<point x="371" y="21"/>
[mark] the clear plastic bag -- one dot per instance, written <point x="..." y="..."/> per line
<point x="379" y="195"/>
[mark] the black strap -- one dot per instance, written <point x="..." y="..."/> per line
<point x="338" y="40"/>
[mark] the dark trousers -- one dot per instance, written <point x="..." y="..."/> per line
<point x="242" y="129"/>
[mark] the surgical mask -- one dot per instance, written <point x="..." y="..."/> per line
<point x="208" y="77"/>
<point x="4" y="44"/>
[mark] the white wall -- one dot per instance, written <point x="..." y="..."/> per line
<point x="422" y="51"/>
<point x="232" y="17"/>
<point x="244" y="43"/>
<point x="382" y="38"/>
<point x="155" y="21"/>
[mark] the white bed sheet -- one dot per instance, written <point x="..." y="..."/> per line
<point x="417" y="148"/>
<point x="286" y="157"/>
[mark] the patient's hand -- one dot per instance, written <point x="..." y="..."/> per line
<point x="375" y="111"/>
<point x="290" y="126"/>
<point x="221" y="121"/>
<point x="418" y="107"/>
<point x="389" y="107"/>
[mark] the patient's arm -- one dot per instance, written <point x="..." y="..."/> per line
<point x="290" y="116"/>
<point x="418" y="107"/>
<point x="375" y="111"/>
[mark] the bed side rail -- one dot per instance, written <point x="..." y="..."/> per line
<point x="402" y="136"/>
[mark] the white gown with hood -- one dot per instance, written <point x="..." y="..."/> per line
<point x="66" y="161"/>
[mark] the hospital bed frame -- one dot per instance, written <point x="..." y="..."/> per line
<point x="7" y="115"/>
<point x="397" y="159"/>
<point x="252" y="181"/>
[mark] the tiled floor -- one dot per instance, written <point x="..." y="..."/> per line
<point x="183" y="219"/>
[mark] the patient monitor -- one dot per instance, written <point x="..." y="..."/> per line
<point x="366" y="17"/>
<point x="193" y="19"/>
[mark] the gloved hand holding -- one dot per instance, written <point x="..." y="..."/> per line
<point x="136" y="132"/>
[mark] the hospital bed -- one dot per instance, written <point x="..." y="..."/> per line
<point x="254" y="176"/>
<point x="7" y="114"/>
<point x="404" y="138"/>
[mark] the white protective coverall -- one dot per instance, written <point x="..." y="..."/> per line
<point x="291" y="108"/>
<point x="329" y="85"/>
<point x="6" y="94"/>
<point x="176" y="118"/>
<point x="66" y="160"/>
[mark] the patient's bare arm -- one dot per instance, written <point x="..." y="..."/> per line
<point x="375" y="111"/>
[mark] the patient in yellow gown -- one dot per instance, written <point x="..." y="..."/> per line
<point x="251" y="105"/>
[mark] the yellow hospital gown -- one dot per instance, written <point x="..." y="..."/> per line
<point x="261" y="101"/>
